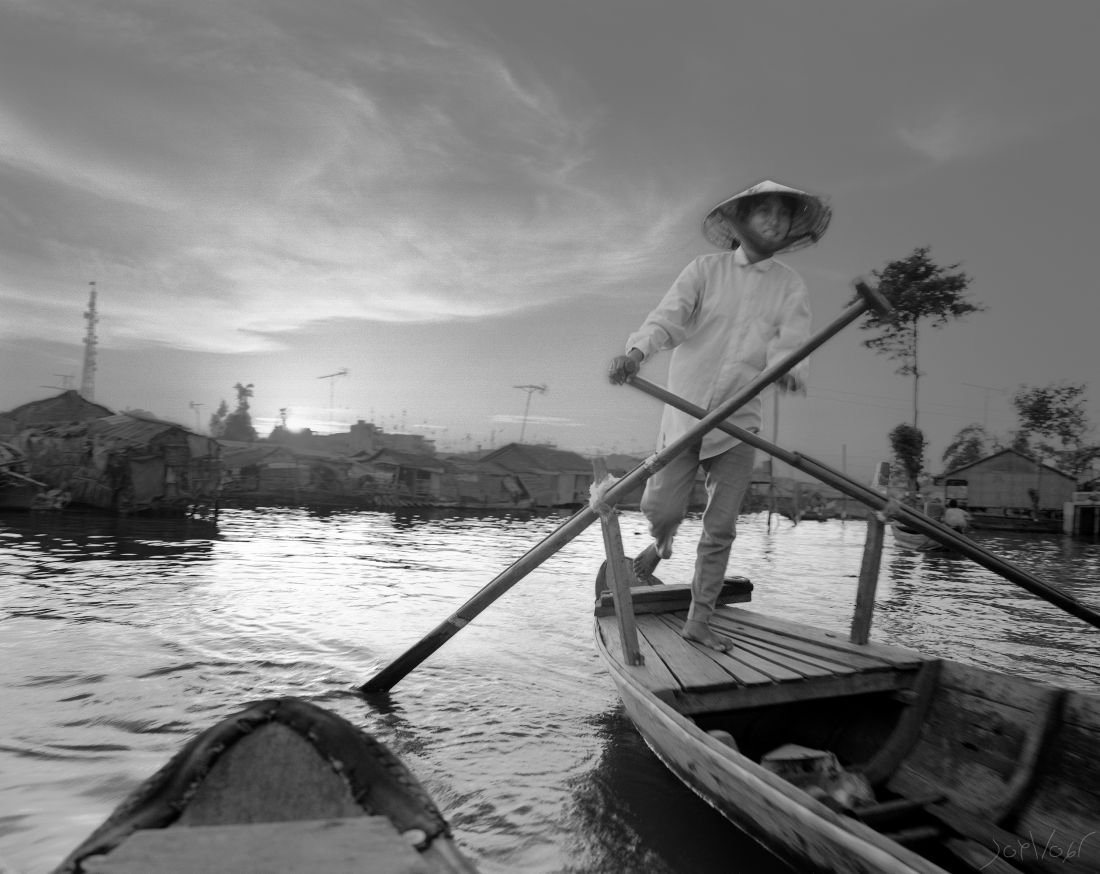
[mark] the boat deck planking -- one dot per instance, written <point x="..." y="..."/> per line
<point x="772" y="661"/>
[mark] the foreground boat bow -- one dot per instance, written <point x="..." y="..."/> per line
<point x="281" y="786"/>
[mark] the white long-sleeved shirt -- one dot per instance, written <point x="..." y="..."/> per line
<point x="726" y="321"/>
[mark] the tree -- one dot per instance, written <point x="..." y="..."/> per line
<point x="1056" y="412"/>
<point x="919" y="291"/>
<point x="908" y="444"/>
<point x="969" y="445"/>
<point x="238" y="424"/>
<point x="217" y="420"/>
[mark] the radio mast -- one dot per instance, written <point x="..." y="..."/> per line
<point x="87" y="381"/>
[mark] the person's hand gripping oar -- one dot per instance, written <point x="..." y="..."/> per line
<point x="390" y="675"/>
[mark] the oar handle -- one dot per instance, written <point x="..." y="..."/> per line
<point x="866" y="495"/>
<point x="393" y="673"/>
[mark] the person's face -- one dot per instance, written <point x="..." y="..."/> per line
<point x="769" y="222"/>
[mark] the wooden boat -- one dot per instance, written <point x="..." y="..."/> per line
<point x="281" y="786"/>
<point x="865" y="758"/>
<point x="910" y="538"/>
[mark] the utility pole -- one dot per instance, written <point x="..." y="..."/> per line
<point x="530" y="389"/>
<point x="331" y="377"/>
<point x="87" y="381"/>
<point x="196" y="407"/>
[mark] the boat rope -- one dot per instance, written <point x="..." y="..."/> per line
<point x="596" y="493"/>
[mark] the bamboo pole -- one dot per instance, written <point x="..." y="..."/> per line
<point x="389" y="676"/>
<point x="911" y="517"/>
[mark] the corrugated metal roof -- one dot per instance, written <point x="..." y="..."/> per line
<point x="408" y="459"/>
<point x="246" y="456"/>
<point x="139" y="431"/>
<point x="1009" y="451"/>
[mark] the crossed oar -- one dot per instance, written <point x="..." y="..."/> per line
<point x="389" y="676"/>
<point x="912" y="518"/>
<point x="868" y="298"/>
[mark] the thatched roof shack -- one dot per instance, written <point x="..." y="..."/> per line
<point x="249" y="468"/>
<point x="487" y="485"/>
<point x="408" y="475"/>
<point x="553" y="477"/>
<point x="286" y="474"/>
<point x="124" y="463"/>
<point x="68" y="406"/>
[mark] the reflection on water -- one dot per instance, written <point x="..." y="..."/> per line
<point x="121" y="638"/>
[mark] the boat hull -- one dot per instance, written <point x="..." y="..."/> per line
<point x="787" y="822"/>
<point x="282" y="785"/>
<point x="957" y="762"/>
<point x="915" y="540"/>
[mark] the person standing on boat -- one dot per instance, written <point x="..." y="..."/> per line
<point x="726" y="318"/>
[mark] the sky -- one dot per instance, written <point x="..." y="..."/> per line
<point x="459" y="203"/>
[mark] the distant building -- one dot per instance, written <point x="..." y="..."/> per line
<point x="362" y="439"/>
<point x="66" y="407"/>
<point x="552" y="477"/>
<point x="474" y="484"/>
<point x="409" y="475"/>
<point x="125" y="464"/>
<point x="1010" y="490"/>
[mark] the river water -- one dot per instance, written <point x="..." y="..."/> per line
<point x="119" y="639"/>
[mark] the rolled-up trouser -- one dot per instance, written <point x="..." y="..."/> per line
<point x="665" y="501"/>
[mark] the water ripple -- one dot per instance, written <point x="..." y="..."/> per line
<point x="121" y="637"/>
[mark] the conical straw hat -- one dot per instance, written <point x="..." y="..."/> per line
<point x="808" y="222"/>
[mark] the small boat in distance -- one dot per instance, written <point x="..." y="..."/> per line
<point x="281" y="786"/>
<point x="910" y="538"/>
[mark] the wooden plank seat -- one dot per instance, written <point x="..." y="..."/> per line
<point x="334" y="846"/>
<point x="667" y="598"/>
<point x="768" y="664"/>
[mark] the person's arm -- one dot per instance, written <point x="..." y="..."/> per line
<point x="664" y="328"/>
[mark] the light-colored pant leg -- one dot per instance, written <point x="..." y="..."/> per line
<point x="728" y="477"/>
<point x="666" y="496"/>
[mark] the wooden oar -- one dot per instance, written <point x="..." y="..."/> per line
<point x="913" y="518"/>
<point x="389" y="676"/>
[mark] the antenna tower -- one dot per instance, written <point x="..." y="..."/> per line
<point x="331" y="377"/>
<point x="87" y="380"/>
<point x="530" y="389"/>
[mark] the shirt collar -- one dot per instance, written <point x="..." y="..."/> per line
<point x="742" y="260"/>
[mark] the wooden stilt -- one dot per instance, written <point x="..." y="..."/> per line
<point x="620" y="574"/>
<point x="868" y="580"/>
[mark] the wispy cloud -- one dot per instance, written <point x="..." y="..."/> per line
<point x="226" y="182"/>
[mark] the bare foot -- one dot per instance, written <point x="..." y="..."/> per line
<point x="645" y="563"/>
<point x="700" y="632"/>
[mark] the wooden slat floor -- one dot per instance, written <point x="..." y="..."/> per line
<point x="772" y="661"/>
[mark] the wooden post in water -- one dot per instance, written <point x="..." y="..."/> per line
<point x="868" y="580"/>
<point x="619" y="573"/>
